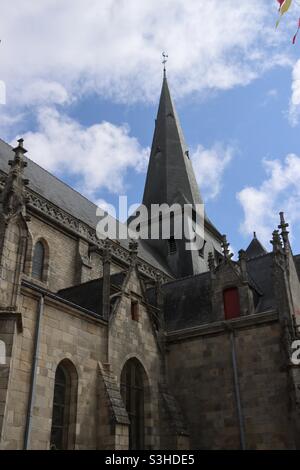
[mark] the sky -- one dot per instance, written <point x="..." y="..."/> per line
<point x="83" y="80"/>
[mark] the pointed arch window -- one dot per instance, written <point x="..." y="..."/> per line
<point x="38" y="261"/>
<point x="64" y="407"/>
<point x="132" y="391"/>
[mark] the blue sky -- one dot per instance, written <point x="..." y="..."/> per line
<point x="83" y="82"/>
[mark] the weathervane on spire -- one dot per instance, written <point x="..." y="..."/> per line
<point x="164" y="61"/>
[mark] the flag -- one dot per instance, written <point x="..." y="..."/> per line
<point x="283" y="9"/>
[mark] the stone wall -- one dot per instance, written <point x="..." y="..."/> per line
<point x="71" y="261"/>
<point x="10" y="260"/>
<point x="128" y="339"/>
<point x="64" y="334"/>
<point x="7" y="329"/>
<point x="201" y="376"/>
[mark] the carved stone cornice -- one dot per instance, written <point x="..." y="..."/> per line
<point x="41" y="205"/>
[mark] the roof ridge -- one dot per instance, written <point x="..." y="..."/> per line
<point x="186" y="278"/>
<point x="259" y="256"/>
<point x="91" y="281"/>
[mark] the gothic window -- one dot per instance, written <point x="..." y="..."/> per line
<point x="172" y="246"/>
<point x="2" y="353"/>
<point x="231" y="303"/>
<point x="38" y="261"/>
<point x="132" y="391"/>
<point x="64" y="407"/>
<point x="135" y="310"/>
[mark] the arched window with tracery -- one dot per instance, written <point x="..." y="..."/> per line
<point x="38" y="261"/>
<point x="64" y="407"/>
<point x="133" y="394"/>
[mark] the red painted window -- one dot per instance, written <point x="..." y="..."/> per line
<point x="231" y="303"/>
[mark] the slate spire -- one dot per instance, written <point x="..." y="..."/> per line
<point x="171" y="180"/>
<point x="170" y="177"/>
<point x="255" y="248"/>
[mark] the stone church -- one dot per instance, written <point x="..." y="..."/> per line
<point x="114" y="344"/>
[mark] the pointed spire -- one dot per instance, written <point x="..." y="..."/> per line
<point x="13" y="196"/>
<point x="171" y="180"/>
<point x="255" y="248"/>
<point x="170" y="177"/>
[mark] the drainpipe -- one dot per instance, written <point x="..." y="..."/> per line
<point x="31" y="399"/>
<point x="237" y="386"/>
<point x="106" y="283"/>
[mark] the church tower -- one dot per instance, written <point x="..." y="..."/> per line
<point x="171" y="180"/>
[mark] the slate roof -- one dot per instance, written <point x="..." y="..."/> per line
<point x="187" y="301"/>
<point x="170" y="171"/>
<point x="255" y="248"/>
<point x="89" y="294"/>
<point x="63" y="196"/>
<point x="170" y="176"/>
<point x="260" y="270"/>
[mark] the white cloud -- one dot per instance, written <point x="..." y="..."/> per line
<point x="280" y="191"/>
<point x="52" y="51"/>
<point x="44" y="91"/>
<point x="294" y="111"/>
<point x="96" y="157"/>
<point x="209" y="166"/>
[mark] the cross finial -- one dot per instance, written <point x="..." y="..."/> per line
<point x="283" y="225"/>
<point x="164" y="61"/>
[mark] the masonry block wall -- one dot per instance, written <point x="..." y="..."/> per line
<point x="129" y="338"/>
<point x="65" y="265"/>
<point x="201" y="374"/>
<point x="7" y="329"/>
<point x="64" y="334"/>
<point x="9" y="260"/>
